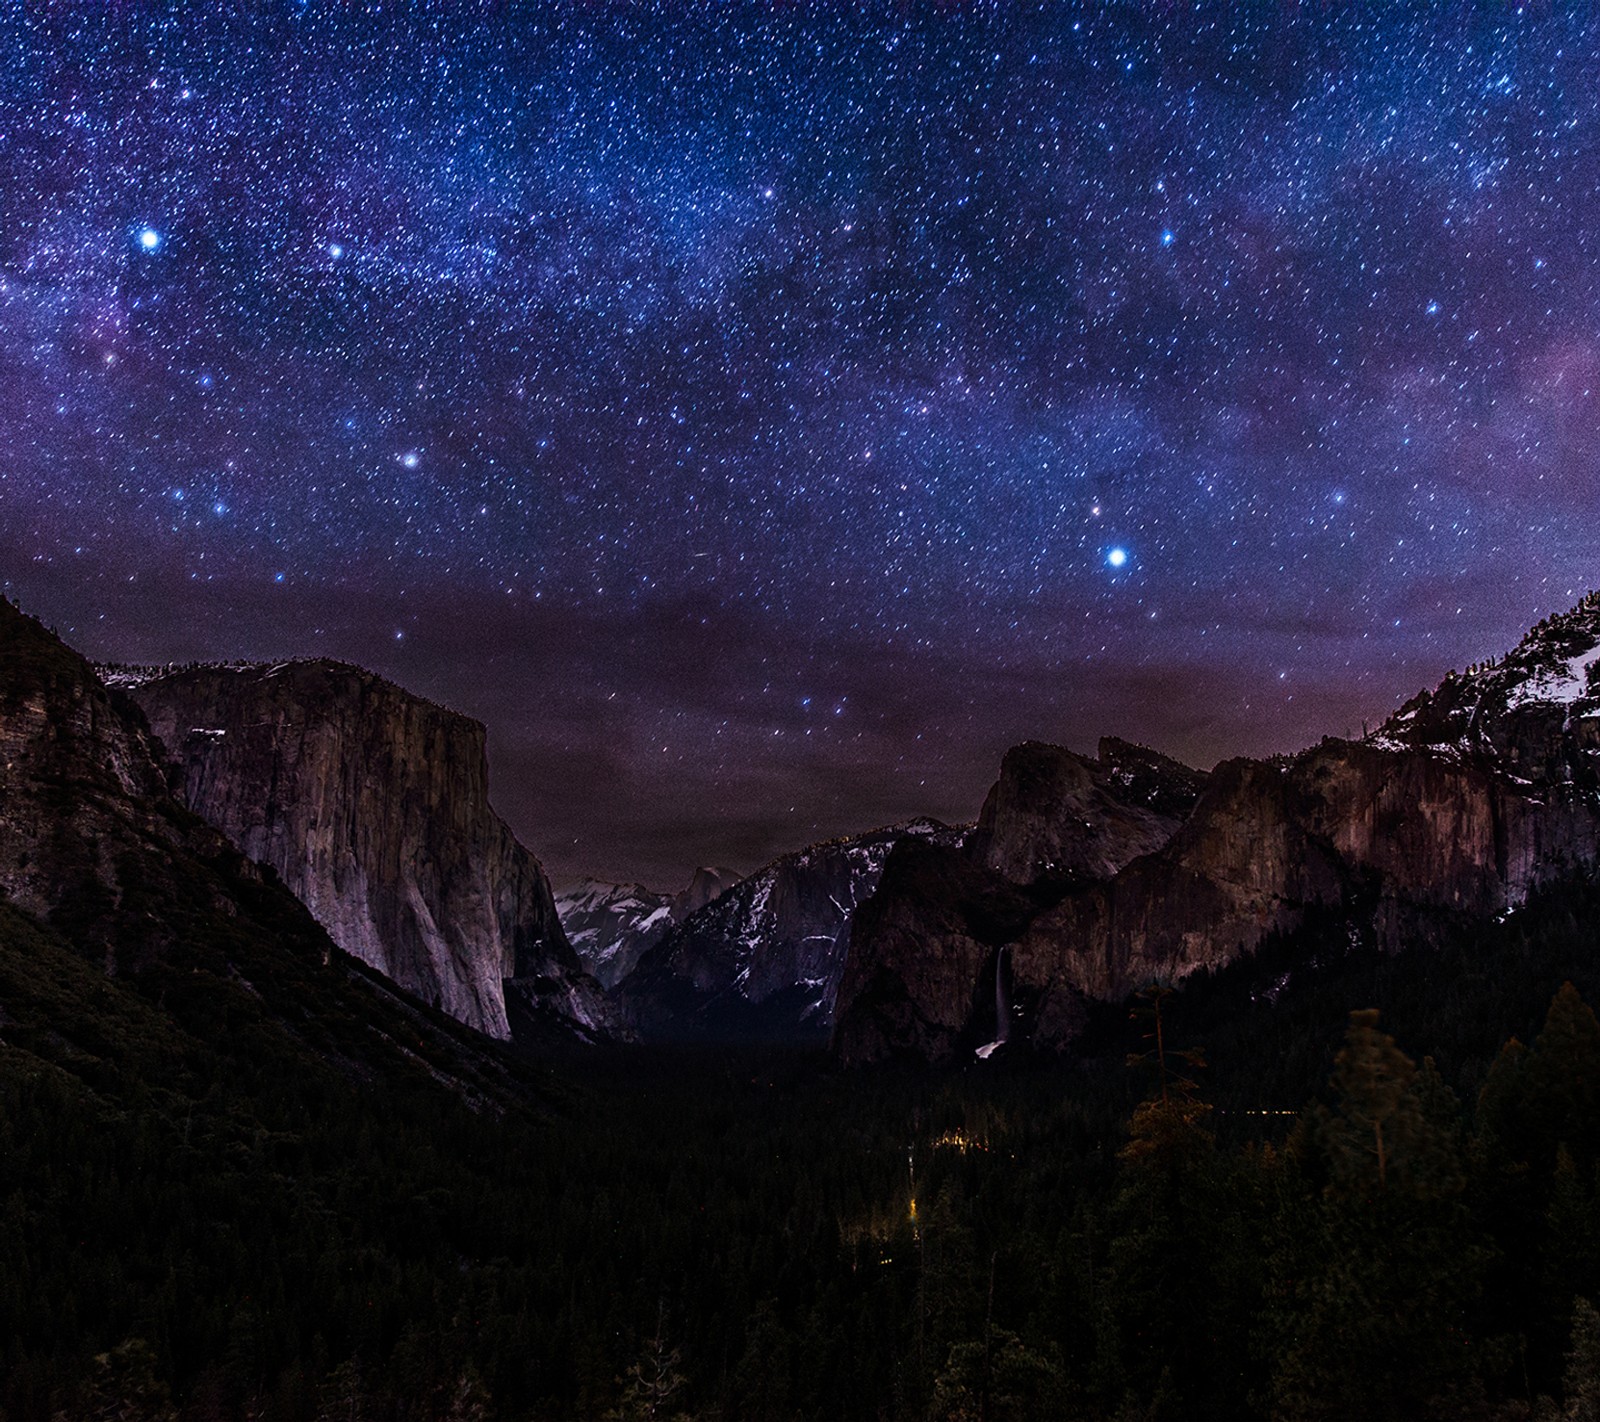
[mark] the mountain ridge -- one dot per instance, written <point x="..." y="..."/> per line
<point x="1472" y="795"/>
<point x="372" y="804"/>
<point x="763" y="960"/>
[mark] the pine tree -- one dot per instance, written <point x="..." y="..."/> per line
<point x="126" y="1386"/>
<point x="343" y="1394"/>
<point x="1581" y="1382"/>
<point x="1376" y="1269"/>
<point x="469" y="1399"/>
<point x="1173" y="1287"/>
<point x="652" y="1380"/>
<point x="1377" y="1113"/>
<point x="1535" y="1152"/>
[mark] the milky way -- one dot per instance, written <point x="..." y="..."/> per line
<point x="761" y="415"/>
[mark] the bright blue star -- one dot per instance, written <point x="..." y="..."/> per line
<point x="151" y="239"/>
<point x="1117" y="557"/>
<point x="1168" y="237"/>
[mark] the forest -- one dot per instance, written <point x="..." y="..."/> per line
<point x="1324" y="1183"/>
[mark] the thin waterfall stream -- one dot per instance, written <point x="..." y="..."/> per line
<point x="1002" y="1007"/>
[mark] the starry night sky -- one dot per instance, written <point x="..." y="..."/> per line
<point x="763" y="414"/>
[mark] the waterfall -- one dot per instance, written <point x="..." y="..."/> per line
<point x="1002" y="1006"/>
<point x="1002" y="1002"/>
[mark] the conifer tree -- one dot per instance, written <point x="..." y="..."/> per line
<point x="1376" y="1269"/>
<point x="1581" y="1382"/>
<point x="1173" y="1288"/>
<point x="652" y="1380"/>
<point x="126" y="1386"/>
<point x="1535" y="1151"/>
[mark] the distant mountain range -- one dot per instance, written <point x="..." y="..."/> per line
<point x="763" y="960"/>
<point x="1084" y="877"/>
<point x="610" y="926"/>
<point x="1458" y="806"/>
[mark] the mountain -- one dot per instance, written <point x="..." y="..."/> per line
<point x="763" y="960"/>
<point x="611" y="926"/>
<point x="1053" y="813"/>
<point x="99" y="860"/>
<point x="1461" y="804"/>
<point x="372" y="805"/>
<point x="705" y="884"/>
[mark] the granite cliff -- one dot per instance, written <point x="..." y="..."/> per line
<point x="89" y="836"/>
<point x="1053" y="814"/>
<point x="210" y="954"/>
<point x="1466" y="799"/>
<point x="372" y="805"/>
<point x="925" y="958"/>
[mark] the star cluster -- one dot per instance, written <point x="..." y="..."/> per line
<point x="761" y="414"/>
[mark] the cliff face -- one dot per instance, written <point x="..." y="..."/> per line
<point x="921" y="974"/>
<point x="1392" y="837"/>
<point x="372" y="805"/>
<point x="921" y="970"/>
<point x="1463" y="802"/>
<point x="764" y="959"/>
<point x="89" y="835"/>
<point x="226" y="990"/>
<point x="1054" y="813"/>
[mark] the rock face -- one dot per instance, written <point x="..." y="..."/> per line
<point x="705" y="885"/>
<point x="763" y="961"/>
<point x="612" y="926"/>
<point x="372" y="805"/>
<point x="209" y="950"/>
<point x="88" y="831"/>
<point x="1055" y="814"/>
<point x="1465" y="800"/>
<point x="925" y="955"/>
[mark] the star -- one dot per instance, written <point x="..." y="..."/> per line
<point x="865" y="352"/>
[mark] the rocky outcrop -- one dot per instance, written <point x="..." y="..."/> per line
<point x="707" y="884"/>
<point x="924" y="958"/>
<point x="1464" y="801"/>
<point x="372" y="805"/>
<point x="220" y="972"/>
<point x="1054" y="813"/>
<point x="90" y="839"/>
<point x="922" y="967"/>
<point x="763" y="961"/>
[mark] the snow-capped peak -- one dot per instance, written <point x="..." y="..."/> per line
<point x="1555" y="668"/>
